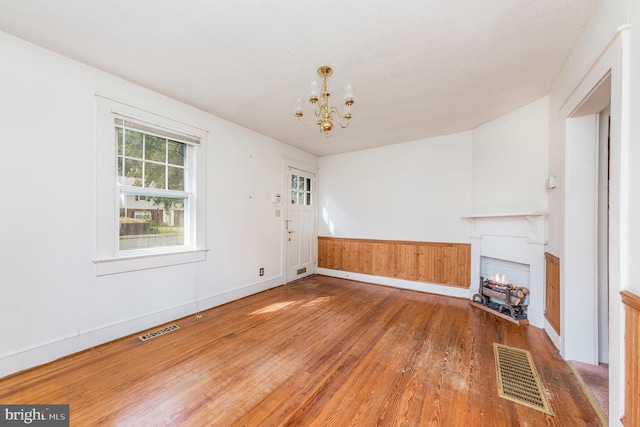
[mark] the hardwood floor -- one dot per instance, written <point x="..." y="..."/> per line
<point x="321" y="351"/>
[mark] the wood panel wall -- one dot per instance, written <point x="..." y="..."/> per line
<point x="632" y="359"/>
<point x="442" y="263"/>
<point x="552" y="292"/>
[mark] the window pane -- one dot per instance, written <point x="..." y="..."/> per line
<point x="155" y="148"/>
<point x="176" y="178"/>
<point x="294" y="197"/>
<point x="151" y="223"/>
<point x="119" y="138"/>
<point x="302" y="182"/>
<point x="308" y="199"/>
<point x="176" y="153"/>
<point x="133" y="144"/>
<point x="294" y="182"/>
<point x="308" y="184"/>
<point x="133" y="172"/>
<point x="154" y="176"/>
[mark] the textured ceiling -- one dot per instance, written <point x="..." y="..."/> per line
<point x="419" y="68"/>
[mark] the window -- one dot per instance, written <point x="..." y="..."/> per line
<point x="300" y="190"/>
<point x="151" y="194"/>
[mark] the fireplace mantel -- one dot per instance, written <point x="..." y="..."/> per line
<point x="532" y="217"/>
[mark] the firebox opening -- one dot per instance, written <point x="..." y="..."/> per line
<point x="514" y="272"/>
<point x="504" y="287"/>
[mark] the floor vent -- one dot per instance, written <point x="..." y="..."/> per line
<point x="518" y="379"/>
<point x="161" y="331"/>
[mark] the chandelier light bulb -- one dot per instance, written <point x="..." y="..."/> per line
<point x="348" y="95"/>
<point x="314" y="91"/>
<point x="347" y="111"/>
<point x="297" y="107"/>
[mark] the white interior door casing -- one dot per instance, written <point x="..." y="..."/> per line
<point x="603" y="237"/>
<point x="300" y="223"/>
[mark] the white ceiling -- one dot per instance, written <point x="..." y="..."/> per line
<point x="420" y="68"/>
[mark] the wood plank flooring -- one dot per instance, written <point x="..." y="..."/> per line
<point x="318" y="352"/>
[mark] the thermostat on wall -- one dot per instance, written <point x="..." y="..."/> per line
<point x="275" y="198"/>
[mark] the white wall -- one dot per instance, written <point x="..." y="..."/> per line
<point x="422" y="190"/>
<point x="510" y="161"/>
<point x="417" y="191"/>
<point x="52" y="303"/>
<point x="413" y="191"/>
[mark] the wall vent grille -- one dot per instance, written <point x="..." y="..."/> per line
<point x="158" y="332"/>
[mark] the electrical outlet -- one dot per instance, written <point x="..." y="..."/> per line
<point x="262" y="271"/>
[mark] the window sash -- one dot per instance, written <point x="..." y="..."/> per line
<point x="130" y="190"/>
<point x="146" y="243"/>
<point x="166" y="166"/>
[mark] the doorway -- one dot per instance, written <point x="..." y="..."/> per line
<point x="300" y="223"/>
<point x="586" y="258"/>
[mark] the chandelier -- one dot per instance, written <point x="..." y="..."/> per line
<point x="319" y="97"/>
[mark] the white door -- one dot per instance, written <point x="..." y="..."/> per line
<point x="300" y="224"/>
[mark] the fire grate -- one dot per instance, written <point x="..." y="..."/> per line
<point x="158" y="332"/>
<point x="518" y="379"/>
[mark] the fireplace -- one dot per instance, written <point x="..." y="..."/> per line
<point x="512" y="245"/>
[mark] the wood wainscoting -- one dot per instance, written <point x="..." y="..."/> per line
<point x="631" y="356"/>
<point x="442" y="263"/>
<point x="552" y="292"/>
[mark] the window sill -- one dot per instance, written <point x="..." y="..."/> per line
<point x="104" y="267"/>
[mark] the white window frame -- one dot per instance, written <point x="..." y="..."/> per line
<point x="108" y="258"/>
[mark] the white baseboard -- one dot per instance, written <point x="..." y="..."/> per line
<point x="536" y="317"/>
<point x="23" y="359"/>
<point x="553" y="335"/>
<point x="433" y="288"/>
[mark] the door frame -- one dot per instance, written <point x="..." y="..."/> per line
<point x="288" y="164"/>
<point x="613" y="61"/>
